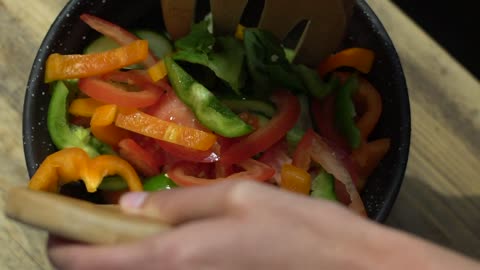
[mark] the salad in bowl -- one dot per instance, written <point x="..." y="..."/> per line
<point x="136" y="110"/>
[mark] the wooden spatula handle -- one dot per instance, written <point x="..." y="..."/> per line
<point x="78" y="220"/>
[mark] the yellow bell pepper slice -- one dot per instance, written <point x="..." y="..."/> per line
<point x="295" y="179"/>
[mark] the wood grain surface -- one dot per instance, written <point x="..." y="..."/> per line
<point x="440" y="197"/>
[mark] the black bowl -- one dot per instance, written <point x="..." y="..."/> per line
<point x="69" y="35"/>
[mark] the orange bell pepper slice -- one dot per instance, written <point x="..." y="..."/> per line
<point x="368" y="156"/>
<point x="74" y="66"/>
<point x="151" y="126"/>
<point x="359" y="58"/>
<point x="84" y="107"/>
<point x="102" y="125"/>
<point x="73" y="164"/>
<point x="295" y="179"/>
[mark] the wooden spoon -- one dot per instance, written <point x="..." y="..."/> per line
<point x="78" y="220"/>
<point x="327" y="21"/>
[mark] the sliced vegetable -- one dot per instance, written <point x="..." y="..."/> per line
<point x="295" y="179"/>
<point x="226" y="60"/>
<point x="159" y="182"/>
<point x="159" y="45"/>
<point x="206" y="107"/>
<point x="187" y="174"/>
<point x="371" y="100"/>
<point x="368" y="156"/>
<point x="323" y="186"/>
<point x="263" y="138"/>
<point x="345" y="112"/>
<point x="158" y="71"/>
<point x="113" y="183"/>
<point x="60" y="67"/>
<point x="84" y="107"/>
<point x="112" y="93"/>
<point x="359" y="58"/>
<point x="275" y="157"/>
<point x="103" y="127"/>
<point x="118" y="34"/>
<point x="267" y="63"/>
<point x="314" y="84"/>
<point x="250" y="105"/>
<point x="65" y="135"/>
<point x="333" y="161"/>
<point x="150" y="126"/>
<point x="141" y="159"/>
<point x="324" y="119"/>
<point x="170" y="108"/>
<point x="304" y="122"/>
<point x="240" y="32"/>
<point x="72" y="164"/>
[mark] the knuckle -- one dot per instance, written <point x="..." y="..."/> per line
<point x="241" y="194"/>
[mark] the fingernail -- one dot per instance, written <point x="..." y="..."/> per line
<point x="133" y="199"/>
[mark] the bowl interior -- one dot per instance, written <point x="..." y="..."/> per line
<point x="69" y="35"/>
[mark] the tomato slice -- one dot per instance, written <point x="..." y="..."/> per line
<point x="190" y="174"/>
<point x="117" y="33"/>
<point x="105" y="91"/>
<point x="264" y="137"/>
<point x="170" y="108"/>
<point x="141" y="159"/>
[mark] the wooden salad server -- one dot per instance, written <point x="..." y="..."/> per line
<point x="325" y="30"/>
<point x="77" y="219"/>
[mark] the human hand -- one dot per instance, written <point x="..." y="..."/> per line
<point x="245" y="225"/>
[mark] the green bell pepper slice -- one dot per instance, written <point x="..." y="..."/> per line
<point x="64" y="134"/>
<point x="209" y="110"/>
<point x="345" y="112"/>
<point x="158" y="182"/>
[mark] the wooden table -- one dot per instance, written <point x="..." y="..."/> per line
<point x="440" y="197"/>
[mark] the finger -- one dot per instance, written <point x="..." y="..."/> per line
<point x="184" y="204"/>
<point x="70" y="255"/>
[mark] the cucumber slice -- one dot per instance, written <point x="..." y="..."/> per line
<point x="243" y="105"/>
<point x="159" y="44"/>
<point x="101" y="44"/>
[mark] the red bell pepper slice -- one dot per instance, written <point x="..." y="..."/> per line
<point x="263" y="138"/>
<point x="323" y="113"/>
<point x="105" y="90"/>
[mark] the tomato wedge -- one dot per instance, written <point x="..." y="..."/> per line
<point x="263" y="138"/>
<point x="117" y="33"/>
<point x="185" y="173"/>
<point x="170" y="108"/>
<point x="334" y="161"/>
